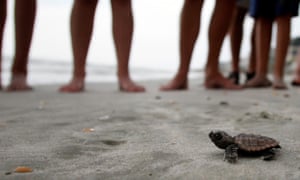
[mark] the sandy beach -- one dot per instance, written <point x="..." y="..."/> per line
<point x="106" y="134"/>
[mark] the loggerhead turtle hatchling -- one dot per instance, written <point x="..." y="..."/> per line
<point x="248" y="144"/>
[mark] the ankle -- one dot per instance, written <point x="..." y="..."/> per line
<point x="250" y="75"/>
<point x="234" y="77"/>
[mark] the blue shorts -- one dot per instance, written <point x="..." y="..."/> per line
<point x="273" y="8"/>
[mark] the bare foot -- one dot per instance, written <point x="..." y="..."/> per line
<point x="219" y="82"/>
<point x="279" y="84"/>
<point x="18" y="83"/>
<point x="127" y="85"/>
<point x="234" y="77"/>
<point x="75" y="86"/>
<point x="258" y="82"/>
<point x="296" y="81"/>
<point x="175" y="84"/>
<point x="249" y="76"/>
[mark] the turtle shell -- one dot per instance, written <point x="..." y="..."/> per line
<point x="255" y="143"/>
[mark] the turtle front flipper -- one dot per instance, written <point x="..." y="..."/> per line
<point x="268" y="155"/>
<point x="231" y="153"/>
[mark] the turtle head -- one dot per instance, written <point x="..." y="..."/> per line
<point x="221" y="139"/>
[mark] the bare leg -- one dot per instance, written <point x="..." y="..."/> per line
<point x="189" y="30"/>
<point x="25" y="12"/>
<point x="82" y="21"/>
<point x="122" y="32"/>
<point x="218" y="28"/>
<point x="3" y="7"/>
<point x="283" y="39"/>
<point x="263" y="40"/>
<point x="236" y="36"/>
<point x="296" y="80"/>
<point x="252" y="59"/>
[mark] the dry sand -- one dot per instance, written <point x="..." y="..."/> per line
<point x="105" y="134"/>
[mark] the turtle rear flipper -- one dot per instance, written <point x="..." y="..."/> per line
<point x="231" y="153"/>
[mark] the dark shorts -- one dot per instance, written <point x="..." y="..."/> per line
<point x="243" y="3"/>
<point x="273" y="8"/>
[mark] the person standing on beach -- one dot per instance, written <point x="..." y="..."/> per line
<point x="236" y="35"/>
<point x="265" y="13"/>
<point x="82" y="21"/>
<point x="189" y="30"/>
<point x="25" y="12"/>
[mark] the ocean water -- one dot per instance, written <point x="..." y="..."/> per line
<point x="154" y="52"/>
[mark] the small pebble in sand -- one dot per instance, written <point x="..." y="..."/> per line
<point x="87" y="130"/>
<point x="224" y="103"/>
<point x="265" y="115"/>
<point x="23" y="169"/>
<point x="41" y="105"/>
<point x="286" y="95"/>
<point x="239" y="120"/>
<point x="157" y="97"/>
<point x="247" y="114"/>
<point x="172" y="102"/>
<point x="8" y="173"/>
<point x="288" y="119"/>
<point x="255" y="104"/>
<point x="106" y="117"/>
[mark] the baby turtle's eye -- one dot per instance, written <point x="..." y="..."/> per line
<point x="218" y="136"/>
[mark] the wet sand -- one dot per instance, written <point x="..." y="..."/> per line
<point x="106" y="134"/>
